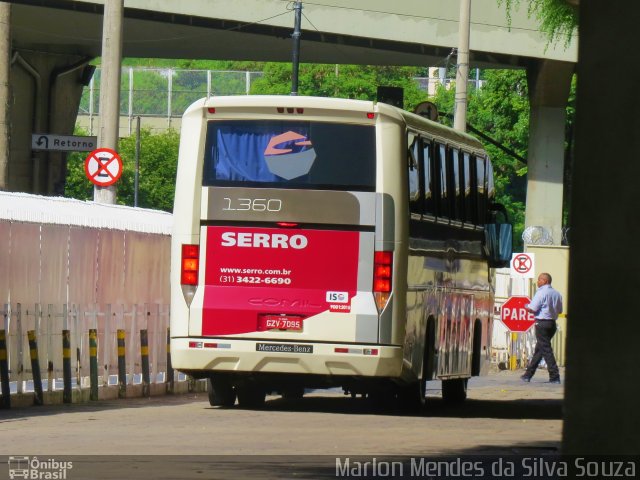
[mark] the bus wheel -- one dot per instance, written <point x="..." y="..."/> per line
<point x="251" y="395"/>
<point x="293" y="393"/>
<point x="221" y="391"/>
<point x="454" y="390"/>
<point x="413" y="397"/>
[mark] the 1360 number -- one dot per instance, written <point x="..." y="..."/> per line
<point x="253" y="204"/>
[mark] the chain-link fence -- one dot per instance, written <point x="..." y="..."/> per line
<point x="165" y="92"/>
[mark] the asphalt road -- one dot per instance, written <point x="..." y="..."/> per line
<point x="501" y="416"/>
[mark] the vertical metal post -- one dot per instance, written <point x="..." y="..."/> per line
<point x="130" y="105"/>
<point x="144" y="357"/>
<point x="93" y="364"/>
<point x="66" y="366"/>
<point x="296" y="48"/>
<point x="136" y="178"/>
<point x="122" y="365"/>
<point x="20" y="351"/>
<point x="50" y="379"/>
<point x="38" y="398"/>
<point x="169" y="88"/>
<point x="4" y="371"/>
<point x="208" y="83"/>
<point x="513" y="358"/>
<point x="91" y="91"/>
<point x="169" y="379"/>
<point x="247" y="82"/>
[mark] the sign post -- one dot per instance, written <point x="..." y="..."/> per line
<point x="103" y="167"/>
<point x="523" y="265"/>
<point x="517" y="319"/>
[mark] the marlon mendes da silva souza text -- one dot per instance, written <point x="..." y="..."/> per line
<point x="578" y="467"/>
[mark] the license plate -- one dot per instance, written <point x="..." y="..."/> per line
<point x="279" y="322"/>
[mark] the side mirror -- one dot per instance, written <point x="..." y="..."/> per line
<point x="499" y="238"/>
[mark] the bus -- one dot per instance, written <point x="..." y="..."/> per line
<point x="326" y="243"/>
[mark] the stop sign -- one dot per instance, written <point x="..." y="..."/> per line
<point x="515" y="317"/>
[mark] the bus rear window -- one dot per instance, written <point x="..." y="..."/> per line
<point x="290" y="154"/>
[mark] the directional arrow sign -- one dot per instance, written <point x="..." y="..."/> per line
<point x="63" y="143"/>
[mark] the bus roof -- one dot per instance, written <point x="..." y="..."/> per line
<point x="257" y="102"/>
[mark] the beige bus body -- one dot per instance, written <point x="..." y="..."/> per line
<point x="437" y="321"/>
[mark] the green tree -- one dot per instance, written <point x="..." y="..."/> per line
<point x="342" y="81"/>
<point x="500" y="109"/>
<point x="158" y="161"/>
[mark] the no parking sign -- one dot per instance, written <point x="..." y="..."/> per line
<point x="523" y="265"/>
<point x="103" y="167"/>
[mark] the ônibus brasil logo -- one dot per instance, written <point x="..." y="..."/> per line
<point x="36" y="469"/>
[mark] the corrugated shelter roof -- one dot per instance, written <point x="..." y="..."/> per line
<point x="24" y="207"/>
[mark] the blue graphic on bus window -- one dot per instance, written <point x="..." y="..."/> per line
<point x="239" y="152"/>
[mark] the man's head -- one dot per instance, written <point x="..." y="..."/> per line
<point x="544" y="279"/>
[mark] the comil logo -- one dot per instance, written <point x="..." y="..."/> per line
<point x="264" y="240"/>
<point x="289" y="155"/>
<point x="37" y="469"/>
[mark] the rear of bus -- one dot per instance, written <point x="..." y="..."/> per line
<point x="280" y="276"/>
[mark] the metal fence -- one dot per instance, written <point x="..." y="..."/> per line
<point x="165" y="92"/>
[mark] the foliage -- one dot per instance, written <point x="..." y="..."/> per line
<point x="558" y="18"/>
<point x="342" y="81"/>
<point x="158" y="161"/>
<point x="500" y="109"/>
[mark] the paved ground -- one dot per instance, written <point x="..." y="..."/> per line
<point x="501" y="416"/>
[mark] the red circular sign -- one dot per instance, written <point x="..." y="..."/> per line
<point x="515" y="317"/>
<point x="103" y="167"/>
<point x="522" y="263"/>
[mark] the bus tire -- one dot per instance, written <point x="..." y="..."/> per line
<point x="412" y="398"/>
<point x="221" y="391"/>
<point x="251" y="395"/>
<point x="454" y="390"/>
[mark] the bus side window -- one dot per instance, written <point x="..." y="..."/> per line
<point x="441" y="181"/>
<point x="491" y="187"/>
<point x="429" y="187"/>
<point x="482" y="190"/>
<point x="467" y="191"/>
<point x="413" y="163"/>
<point x="454" y="184"/>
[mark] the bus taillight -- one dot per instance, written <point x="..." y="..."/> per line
<point x="189" y="266"/>
<point x="190" y="261"/>
<point x="382" y="267"/>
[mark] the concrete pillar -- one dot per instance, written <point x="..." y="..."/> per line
<point x="5" y="96"/>
<point x="602" y="389"/>
<point x="549" y="84"/>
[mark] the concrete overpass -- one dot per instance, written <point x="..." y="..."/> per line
<point x="53" y="40"/>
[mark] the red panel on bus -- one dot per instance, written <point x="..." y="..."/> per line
<point x="257" y="271"/>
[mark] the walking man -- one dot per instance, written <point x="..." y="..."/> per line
<point x="545" y="306"/>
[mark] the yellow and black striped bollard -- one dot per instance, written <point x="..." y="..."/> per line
<point x="122" y="366"/>
<point x="66" y="366"/>
<point x="169" y="366"/>
<point x="4" y="371"/>
<point x="144" y="354"/>
<point x="38" y="397"/>
<point x="93" y="364"/>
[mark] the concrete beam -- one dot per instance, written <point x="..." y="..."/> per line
<point x="46" y="95"/>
